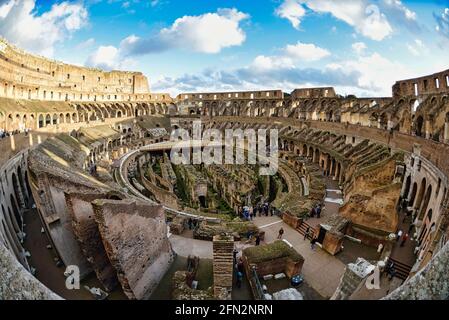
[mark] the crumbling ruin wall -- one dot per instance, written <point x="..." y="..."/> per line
<point x="135" y="238"/>
<point x="182" y="291"/>
<point x="89" y="238"/>
<point x="371" y="198"/>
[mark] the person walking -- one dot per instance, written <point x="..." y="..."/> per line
<point x="313" y="243"/>
<point x="380" y="247"/>
<point x="404" y="239"/>
<point x="239" y="279"/>
<point x="399" y="235"/>
<point x="318" y="211"/>
<point x="306" y="235"/>
<point x="312" y="212"/>
<point x="257" y="240"/>
<point x="280" y="234"/>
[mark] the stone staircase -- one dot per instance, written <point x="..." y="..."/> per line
<point x="402" y="269"/>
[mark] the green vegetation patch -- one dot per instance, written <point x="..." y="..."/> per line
<point x="276" y="250"/>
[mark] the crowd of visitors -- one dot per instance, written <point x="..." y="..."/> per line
<point x="261" y="209"/>
<point x="5" y="134"/>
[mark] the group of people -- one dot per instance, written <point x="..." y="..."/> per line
<point x="250" y="212"/>
<point x="403" y="237"/>
<point x="316" y="211"/>
<point x="5" y="134"/>
<point x="192" y="223"/>
<point x="92" y="168"/>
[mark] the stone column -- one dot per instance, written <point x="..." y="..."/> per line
<point x="446" y="132"/>
<point x="223" y="247"/>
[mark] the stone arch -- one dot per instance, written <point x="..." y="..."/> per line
<point x="425" y="203"/>
<point x="421" y="192"/>
<point x="419" y="126"/>
<point x="47" y="120"/>
<point x="54" y="119"/>
<point x="41" y="121"/>
<point x="18" y="191"/>
<point x="15" y="210"/>
<point x="413" y="194"/>
<point x="408" y="182"/>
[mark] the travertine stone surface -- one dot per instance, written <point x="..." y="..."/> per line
<point x="18" y="284"/>
<point x="135" y="238"/>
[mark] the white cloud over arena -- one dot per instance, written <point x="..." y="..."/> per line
<point x="368" y="18"/>
<point x="208" y="33"/>
<point x="20" y="23"/>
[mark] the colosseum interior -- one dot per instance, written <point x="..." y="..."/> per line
<point x="87" y="182"/>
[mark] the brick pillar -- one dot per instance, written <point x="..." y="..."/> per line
<point x="223" y="246"/>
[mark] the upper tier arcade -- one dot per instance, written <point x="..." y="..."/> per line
<point x="432" y="84"/>
<point x="26" y="76"/>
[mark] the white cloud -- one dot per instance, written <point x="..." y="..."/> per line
<point x="86" y="44"/>
<point x="417" y="48"/>
<point x="359" y="47"/>
<point x="206" y="33"/>
<point x="443" y="23"/>
<point x="368" y="75"/>
<point x="23" y="26"/>
<point x="403" y="10"/>
<point x="292" y="10"/>
<point x="109" y="58"/>
<point x="305" y="52"/>
<point x="365" y="17"/>
<point x="290" y="55"/>
<point x="377" y="73"/>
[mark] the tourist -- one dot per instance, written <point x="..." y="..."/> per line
<point x="404" y="239"/>
<point x="240" y="266"/>
<point x="257" y="240"/>
<point x="404" y="205"/>
<point x="239" y="279"/>
<point x="234" y="254"/>
<point x="281" y="232"/>
<point x="312" y="212"/>
<point x="306" y="235"/>
<point x="313" y="243"/>
<point x="318" y="211"/>
<point x="380" y="247"/>
<point x="399" y="235"/>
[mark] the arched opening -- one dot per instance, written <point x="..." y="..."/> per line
<point x="41" y="121"/>
<point x="16" y="210"/>
<point x="18" y="191"/>
<point x="202" y="200"/>
<point x="419" y="126"/>
<point x="47" y="120"/>
<point x="408" y="183"/>
<point x="422" y="189"/>
<point x="317" y="156"/>
<point x="413" y="194"/>
<point x="425" y="202"/>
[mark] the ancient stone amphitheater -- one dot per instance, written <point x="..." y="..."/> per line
<point x="86" y="178"/>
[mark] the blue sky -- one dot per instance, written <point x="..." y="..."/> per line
<point x="358" y="46"/>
